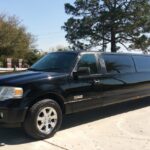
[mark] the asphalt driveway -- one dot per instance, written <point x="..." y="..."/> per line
<point x="120" y="127"/>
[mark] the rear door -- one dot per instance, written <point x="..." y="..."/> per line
<point x="118" y="83"/>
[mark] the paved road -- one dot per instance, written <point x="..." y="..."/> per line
<point x="119" y="127"/>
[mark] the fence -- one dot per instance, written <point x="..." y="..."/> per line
<point x="11" y="69"/>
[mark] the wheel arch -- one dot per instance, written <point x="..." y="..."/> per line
<point x="54" y="96"/>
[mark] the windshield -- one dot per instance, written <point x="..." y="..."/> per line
<point x="55" y="62"/>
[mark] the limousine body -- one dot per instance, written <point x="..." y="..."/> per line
<point x="68" y="82"/>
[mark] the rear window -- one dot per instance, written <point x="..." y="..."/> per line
<point x="142" y="63"/>
<point x="119" y="63"/>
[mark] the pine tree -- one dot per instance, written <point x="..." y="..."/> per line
<point x="100" y="22"/>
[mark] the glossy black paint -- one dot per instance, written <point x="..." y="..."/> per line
<point x="73" y="93"/>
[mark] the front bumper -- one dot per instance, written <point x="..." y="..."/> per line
<point x="12" y="116"/>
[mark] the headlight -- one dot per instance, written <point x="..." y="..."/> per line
<point x="10" y="92"/>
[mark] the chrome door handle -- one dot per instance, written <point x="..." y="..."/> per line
<point x="97" y="82"/>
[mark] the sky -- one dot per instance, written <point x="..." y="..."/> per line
<point x="42" y="18"/>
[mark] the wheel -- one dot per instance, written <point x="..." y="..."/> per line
<point x="43" y="120"/>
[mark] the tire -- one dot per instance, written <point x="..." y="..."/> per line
<point x="43" y="119"/>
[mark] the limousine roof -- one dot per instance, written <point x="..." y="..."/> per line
<point x="109" y="53"/>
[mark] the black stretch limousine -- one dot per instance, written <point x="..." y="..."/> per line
<point x="67" y="82"/>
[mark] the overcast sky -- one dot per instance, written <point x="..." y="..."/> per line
<point x="43" y="18"/>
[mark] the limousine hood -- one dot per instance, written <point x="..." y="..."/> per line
<point x="26" y="77"/>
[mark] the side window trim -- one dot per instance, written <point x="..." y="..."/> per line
<point x="101" y="61"/>
<point x="136" y="70"/>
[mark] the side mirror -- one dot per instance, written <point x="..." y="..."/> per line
<point x="82" y="71"/>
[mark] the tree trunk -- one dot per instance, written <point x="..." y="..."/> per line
<point x="113" y="40"/>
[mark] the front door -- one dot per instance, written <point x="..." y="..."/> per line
<point x="82" y="93"/>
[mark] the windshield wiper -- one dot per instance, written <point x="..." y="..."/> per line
<point x="48" y="69"/>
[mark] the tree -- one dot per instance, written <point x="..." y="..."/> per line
<point x="15" y="41"/>
<point x="59" y="48"/>
<point x="100" y="22"/>
<point x="33" y="56"/>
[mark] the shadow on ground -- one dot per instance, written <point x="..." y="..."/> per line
<point x="15" y="136"/>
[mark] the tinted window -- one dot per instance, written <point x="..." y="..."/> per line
<point x="56" y="62"/>
<point x="142" y="63"/>
<point x="119" y="63"/>
<point x="88" y="60"/>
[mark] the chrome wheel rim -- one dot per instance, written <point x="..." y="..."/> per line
<point x="47" y="120"/>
